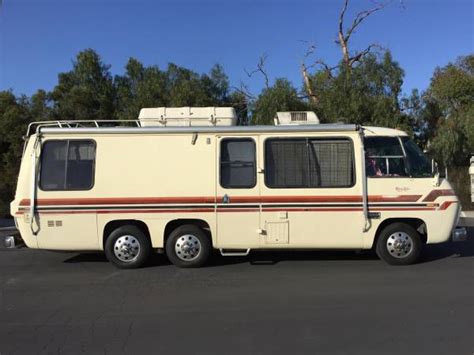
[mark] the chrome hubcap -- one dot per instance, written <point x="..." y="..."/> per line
<point x="399" y="245"/>
<point x="187" y="247"/>
<point x="127" y="248"/>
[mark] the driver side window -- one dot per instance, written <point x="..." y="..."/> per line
<point x="384" y="157"/>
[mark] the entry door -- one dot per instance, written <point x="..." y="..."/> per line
<point x="238" y="193"/>
<point x="66" y="180"/>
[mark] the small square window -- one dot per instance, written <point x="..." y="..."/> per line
<point x="237" y="163"/>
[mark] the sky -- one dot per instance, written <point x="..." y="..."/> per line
<point x="40" y="38"/>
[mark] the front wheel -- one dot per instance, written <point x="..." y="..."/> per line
<point x="399" y="244"/>
<point x="188" y="246"/>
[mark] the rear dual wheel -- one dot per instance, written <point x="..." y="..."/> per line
<point x="188" y="246"/>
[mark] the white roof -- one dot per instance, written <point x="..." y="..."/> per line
<point x="382" y="131"/>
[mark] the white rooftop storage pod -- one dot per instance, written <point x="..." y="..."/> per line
<point x="187" y="116"/>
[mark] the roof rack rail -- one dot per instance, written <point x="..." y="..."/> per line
<point x="35" y="127"/>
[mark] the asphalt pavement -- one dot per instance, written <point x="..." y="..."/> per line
<point x="321" y="302"/>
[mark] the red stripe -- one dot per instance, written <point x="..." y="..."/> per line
<point x="236" y="199"/>
<point x="128" y="211"/>
<point x="210" y="210"/>
<point x="434" y="194"/>
<point x="403" y="209"/>
<point x="158" y="211"/>
<point x="310" y="209"/>
<point x="238" y="209"/>
<point x="117" y="201"/>
<point x="446" y="204"/>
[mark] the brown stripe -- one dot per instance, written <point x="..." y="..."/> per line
<point x="311" y="209"/>
<point x="226" y="210"/>
<point x="127" y="211"/>
<point x="434" y="194"/>
<point x="117" y="201"/>
<point x="446" y="204"/>
<point x="233" y="199"/>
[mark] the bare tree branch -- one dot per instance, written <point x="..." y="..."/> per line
<point x="243" y="89"/>
<point x="310" y="50"/>
<point x="344" y="36"/>
<point x="361" y="16"/>
<point x="260" y="69"/>
<point x="304" y="72"/>
<point x="326" y="67"/>
<point x="360" y="55"/>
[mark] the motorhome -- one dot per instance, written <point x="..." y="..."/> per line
<point x="187" y="181"/>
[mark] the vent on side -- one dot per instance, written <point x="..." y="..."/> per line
<point x="299" y="116"/>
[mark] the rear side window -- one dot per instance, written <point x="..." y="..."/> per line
<point x="67" y="165"/>
<point x="237" y="163"/>
<point x="309" y="163"/>
<point x="384" y="157"/>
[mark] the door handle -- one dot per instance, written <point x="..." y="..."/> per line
<point x="225" y="199"/>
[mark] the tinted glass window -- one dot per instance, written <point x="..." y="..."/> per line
<point x="67" y="165"/>
<point x="384" y="157"/>
<point x="383" y="146"/>
<point x="308" y="163"/>
<point x="237" y="163"/>
<point x="286" y="163"/>
<point x="419" y="165"/>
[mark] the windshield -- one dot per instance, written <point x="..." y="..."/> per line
<point x="418" y="163"/>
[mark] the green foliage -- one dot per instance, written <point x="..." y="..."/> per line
<point x="441" y="119"/>
<point x="367" y="94"/>
<point x="139" y="87"/>
<point x="143" y="87"/>
<point x="240" y="102"/>
<point x="15" y="115"/>
<point x="282" y="96"/>
<point x="447" y="113"/>
<point x="86" y="92"/>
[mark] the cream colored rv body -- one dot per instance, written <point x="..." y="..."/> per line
<point x="161" y="178"/>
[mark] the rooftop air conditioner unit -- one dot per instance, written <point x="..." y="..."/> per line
<point x="296" y="118"/>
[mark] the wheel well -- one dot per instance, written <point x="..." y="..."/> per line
<point x="416" y="223"/>
<point x="112" y="225"/>
<point x="172" y="225"/>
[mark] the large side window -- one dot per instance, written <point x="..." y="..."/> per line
<point x="67" y="165"/>
<point x="384" y="157"/>
<point x="237" y="163"/>
<point x="309" y="163"/>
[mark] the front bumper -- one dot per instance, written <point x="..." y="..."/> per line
<point x="459" y="234"/>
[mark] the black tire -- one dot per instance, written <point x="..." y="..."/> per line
<point x="128" y="234"/>
<point x="199" y="248"/>
<point x="404" y="246"/>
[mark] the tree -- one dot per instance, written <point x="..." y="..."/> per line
<point x="366" y="94"/>
<point x="14" y="118"/>
<point x="187" y="88"/>
<point x="349" y="58"/>
<point x="139" y="87"/>
<point x="86" y="92"/>
<point x="451" y="91"/>
<point x="282" y="96"/>
<point x="177" y="86"/>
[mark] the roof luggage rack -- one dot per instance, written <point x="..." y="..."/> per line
<point x="35" y="127"/>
